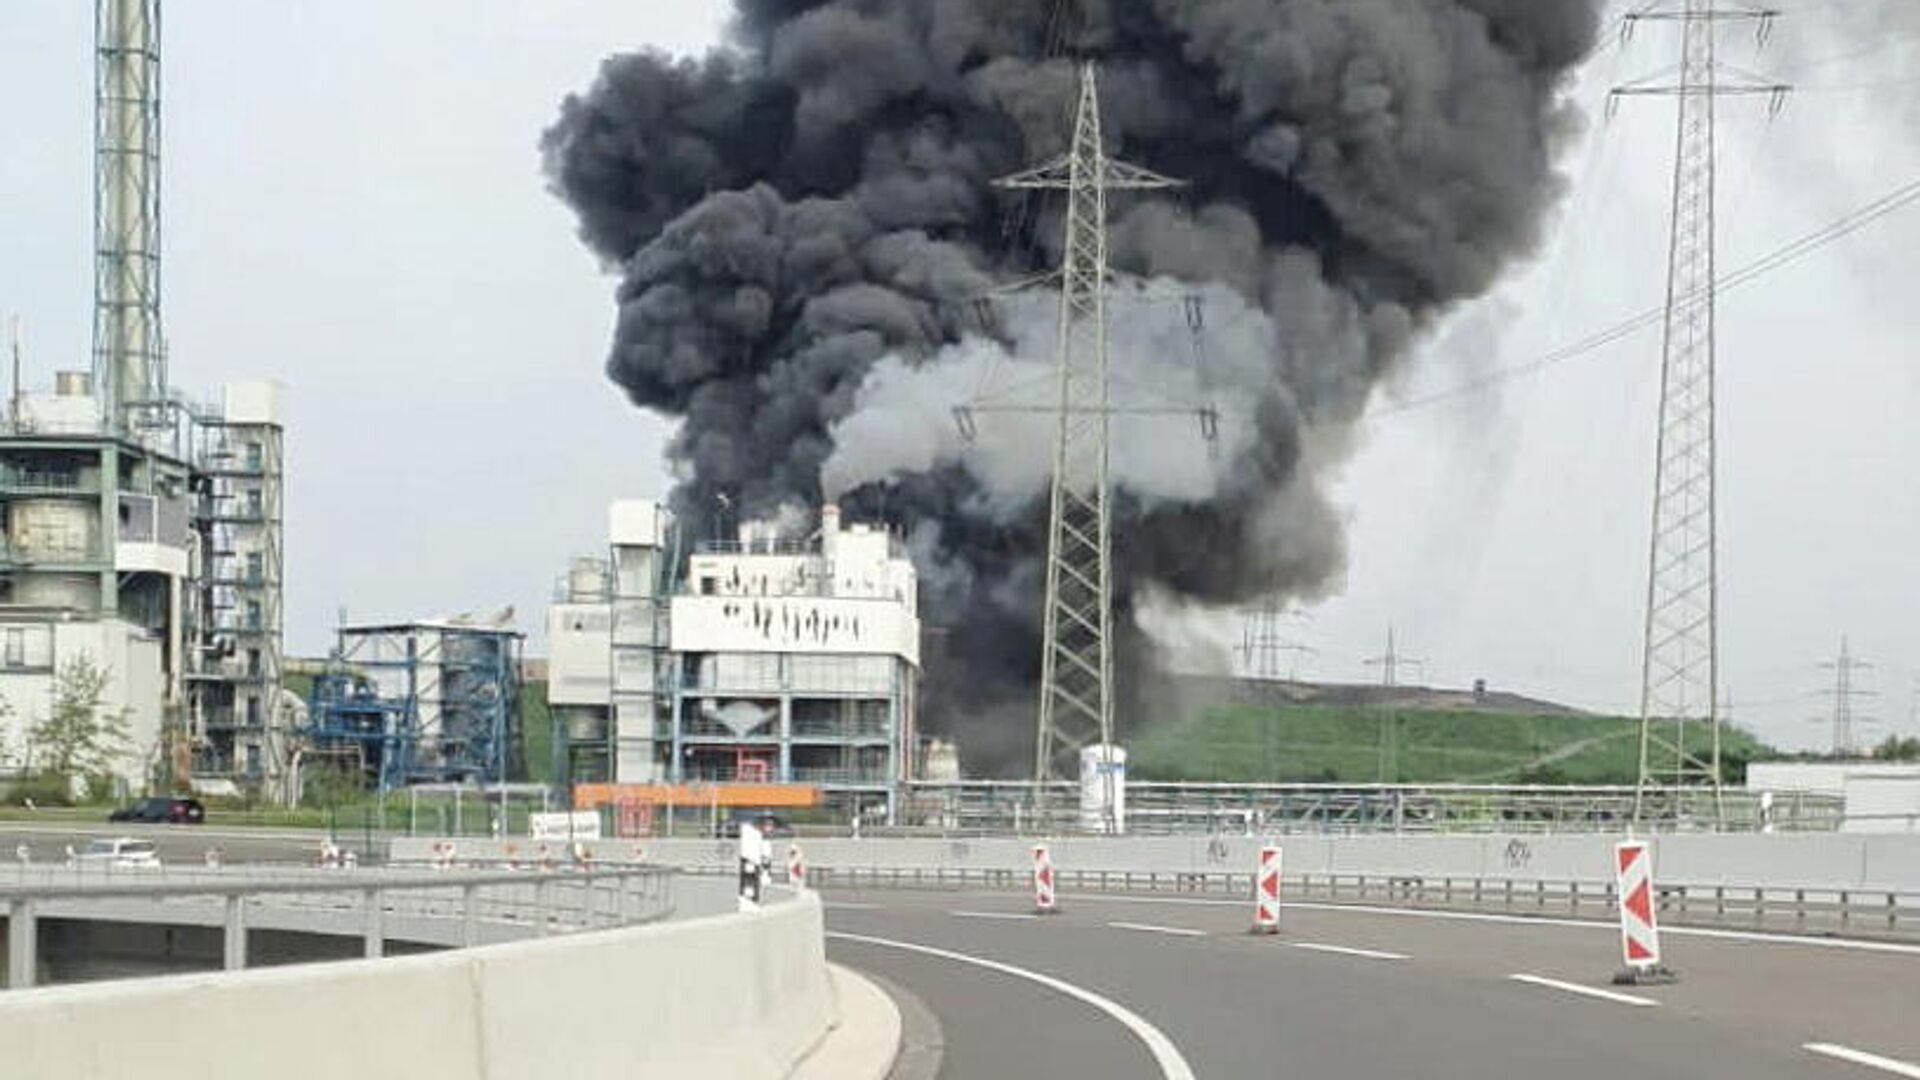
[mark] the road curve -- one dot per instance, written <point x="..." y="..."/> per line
<point x="1364" y="994"/>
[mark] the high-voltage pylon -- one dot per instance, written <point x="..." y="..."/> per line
<point x="1680" y="665"/>
<point x="1844" y="719"/>
<point x="128" y="354"/>
<point x="1262" y="643"/>
<point x="1076" y="669"/>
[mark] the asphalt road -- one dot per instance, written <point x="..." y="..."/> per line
<point x="184" y="844"/>
<point x="1412" y="995"/>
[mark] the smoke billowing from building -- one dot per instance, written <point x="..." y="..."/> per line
<point x="801" y="220"/>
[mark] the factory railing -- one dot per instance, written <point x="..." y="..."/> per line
<point x="1855" y="912"/>
<point x="33" y="555"/>
<point x="537" y="902"/>
<point x="37" y="481"/>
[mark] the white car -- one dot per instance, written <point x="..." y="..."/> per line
<point x="120" y="852"/>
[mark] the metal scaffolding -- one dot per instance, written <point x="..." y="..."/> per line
<point x="423" y="701"/>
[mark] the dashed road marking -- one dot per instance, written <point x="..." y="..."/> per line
<point x="848" y="905"/>
<point x="1173" y="1066"/>
<point x="1007" y="915"/>
<point x="1587" y="991"/>
<point x="1861" y="1057"/>
<point x="1149" y="928"/>
<point x="1348" y="950"/>
<point x="1747" y="936"/>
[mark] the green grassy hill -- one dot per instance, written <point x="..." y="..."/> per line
<point x="1250" y="743"/>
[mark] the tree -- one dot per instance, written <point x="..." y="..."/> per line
<point x="80" y="736"/>
<point x="1896" y="748"/>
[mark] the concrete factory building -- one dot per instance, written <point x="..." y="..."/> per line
<point x="756" y="661"/>
<point x="151" y="554"/>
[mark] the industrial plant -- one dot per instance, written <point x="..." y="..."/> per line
<point x="420" y="702"/>
<point x="142" y="526"/>
<point x="748" y="665"/>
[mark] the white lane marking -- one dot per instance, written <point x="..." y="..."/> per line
<point x="1791" y="939"/>
<point x="1149" y="928"/>
<point x="1172" y="1065"/>
<point x="1347" y="950"/>
<point x="991" y="915"/>
<point x="848" y="905"/>
<point x="1750" y="936"/>
<point x="1861" y="1057"/>
<point x="1576" y="988"/>
<point x="1183" y="901"/>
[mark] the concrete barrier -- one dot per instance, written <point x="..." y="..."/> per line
<point x="741" y="996"/>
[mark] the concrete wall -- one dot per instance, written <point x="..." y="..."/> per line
<point x="736" y="996"/>
<point x="1814" y="860"/>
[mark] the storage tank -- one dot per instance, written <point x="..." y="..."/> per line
<point x="586" y="580"/>
<point x="52" y="531"/>
<point x="1103" y="776"/>
<point x="73" y="383"/>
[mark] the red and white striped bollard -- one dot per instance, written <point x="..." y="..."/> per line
<point x="1639" y="927"/>
<point x="796" y="867"/>
<point x="1045" y="902"/>
<point x="1266" y="891"/>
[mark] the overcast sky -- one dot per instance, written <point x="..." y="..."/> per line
<point x="354" y="206"/>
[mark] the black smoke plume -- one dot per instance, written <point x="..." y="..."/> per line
<point x="801" y="220"/>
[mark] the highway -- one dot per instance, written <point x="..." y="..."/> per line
<point x="185" y="844"/>
<point x="1156" y="986"/>
<point x="1366" y="994"/>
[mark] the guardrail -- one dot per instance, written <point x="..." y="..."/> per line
<point x="1174" y="808"/>
<point x="543" y="902"/>
<point x="1837" y="911"/>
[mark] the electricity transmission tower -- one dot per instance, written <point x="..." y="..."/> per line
<point x="1843" y="692"/>
<point x="1076" y="671"/>
<point x="1392" y="662"/>
<point x="1262" y="644"/>
<point x="1680" y="666"/>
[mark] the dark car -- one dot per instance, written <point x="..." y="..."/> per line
<point x="162" y="810"/>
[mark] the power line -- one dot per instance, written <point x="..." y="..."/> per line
<point x="1787" y="254"/>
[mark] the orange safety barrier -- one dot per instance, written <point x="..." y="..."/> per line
<point x="730" y="796"/>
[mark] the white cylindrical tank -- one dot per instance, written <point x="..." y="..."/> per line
<point x="1103" y="789"/>
<point x="73" y="383"/>
<point x="587" y="580"/>
<point x="51" y="530"/>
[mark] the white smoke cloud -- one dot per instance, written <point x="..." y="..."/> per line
<point x="1164" y="372"/>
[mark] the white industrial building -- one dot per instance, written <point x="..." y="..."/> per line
<point x="758" y="660"/>
<point x="1879" y="796"/>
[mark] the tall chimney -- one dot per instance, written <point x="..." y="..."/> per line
<point x="126" y="223"/>
<point x="829" y="530"/>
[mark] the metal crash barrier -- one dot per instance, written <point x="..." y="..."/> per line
<point x="1787" y="909"/>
